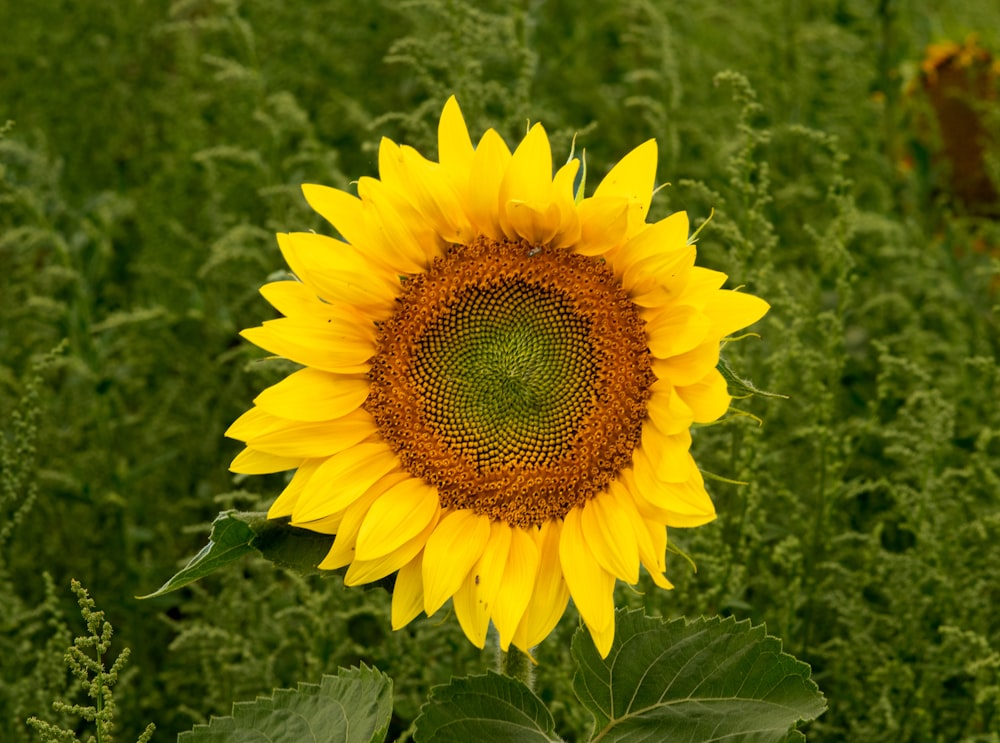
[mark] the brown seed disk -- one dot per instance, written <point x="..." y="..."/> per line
<point x="512" y="377"/>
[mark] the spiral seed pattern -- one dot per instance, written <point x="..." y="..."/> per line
<point x="512" y="377"/>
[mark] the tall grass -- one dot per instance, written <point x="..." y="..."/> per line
<point x="157" y="146"/>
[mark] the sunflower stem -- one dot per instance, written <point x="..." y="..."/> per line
<point x="518" y="665"/>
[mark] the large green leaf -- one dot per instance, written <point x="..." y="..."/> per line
<point x="235" y="534"/>
<point x="352" y="707"/>
<point x="484" y="709"/>
<point x="707" y="680"/>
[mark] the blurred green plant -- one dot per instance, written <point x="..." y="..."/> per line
<point x="31" y="633"/>
<point x="159" y="144"/>
<point x="85" y="660"/>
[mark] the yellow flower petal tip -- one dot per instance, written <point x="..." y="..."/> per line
<point x="497" y="381"/>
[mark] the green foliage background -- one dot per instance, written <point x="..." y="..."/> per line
<point x="156" y="148"/>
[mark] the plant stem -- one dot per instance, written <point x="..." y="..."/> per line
<point x="518" y="665"/>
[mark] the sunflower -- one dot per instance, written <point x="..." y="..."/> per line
<point x="497" y="385"/>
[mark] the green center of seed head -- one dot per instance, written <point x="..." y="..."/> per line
<point x="509" y="374"/>
<point x="514" y="374"/>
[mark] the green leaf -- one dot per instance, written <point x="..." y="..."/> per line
<point x="708" y="680"/>
<point x="230" y="539"/>
<point x="484" y="709"/>
<point x="352" y="707"/>
<point x="288" y="546"/>
<point x="235" y="534"/>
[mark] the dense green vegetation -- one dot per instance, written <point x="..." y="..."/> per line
<point x="155" y="148"/>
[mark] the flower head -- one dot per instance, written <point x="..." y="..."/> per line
<point x="957" y="80"/>
<point x="498" y="382"/>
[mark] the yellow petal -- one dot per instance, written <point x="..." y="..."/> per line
<point x="651" y="544"/>
<point x="408" y="593"/>
<point x="633" y="177"/>
<point x="655" y="559"/>
<point x="603" y="639"/>
<point x="676" y="330"/>
<point x="295" y="299"/>
<point x="591" y="586"/>
<point x="338" y="272"/>
<point x="366" y="571"/>
<point x="432" y="191"/>
<point x="392" y="187"/>
<point x="327" y="346"/>
<point x="667" y="453"/>
<point x="402" y="226"/>
<point x="400" y="514"/>
<point x="529" y="174"/>
<point x="690" y="499"/>
<point x="251" y="423"/>
<point x="647" y="499"/>
<point x="489" y="163"/>
<point x="570" y="230"/>
<point x="451" y="552"/>
<point x="326" y="525"/>
<point x="708" y="399"/>
<point x="660" y="282"/>
<point x="701" y="286"/>
<point x="253" y="462"/>
<point x="284" y="437"/>
<point x="474" y="601"/>
<point x="535" y="222"/>
<point x="527" y="202"/>
<point x="455" y="150"/>
<point x="413" y="179"/>
<point x="517" y="586"/>
<point x="285" y="502"/>
<point x="656" y="263"/>
<point x="358" y="223"/>
<point x="610" y="536"/>
<point x="666" y="410"/>
<point x="551" y="594"/>
<point x="341" y="209"/>
<point x="390" y="165"/>
<point x="343" y="478"/>
<point x="342" y="551"/>
<point x="656" y="489"/>
<point x="314" y="395"/>
<point x="656" y="244"/>
<point x="603" y="222"/>
<point x="305" y="440"/>
<point x="689" y="367"/>
<point x="674" y="503"/>
<point x="731" y="311"/>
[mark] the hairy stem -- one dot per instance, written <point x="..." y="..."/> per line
<point x="518" y="665"/>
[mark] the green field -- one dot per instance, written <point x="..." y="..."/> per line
<point x="153" y="150"/>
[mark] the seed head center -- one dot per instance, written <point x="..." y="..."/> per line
<point x="513" y="378"/>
